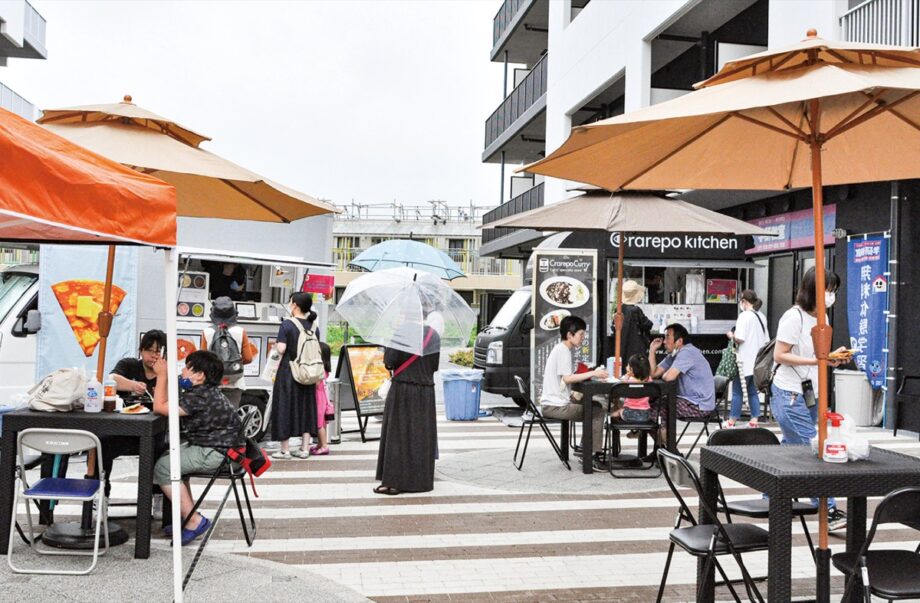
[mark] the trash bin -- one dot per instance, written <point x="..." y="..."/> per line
<point x="334" y="427"/>
<point x="461" y="394"/>
<point x="853" y="396"/>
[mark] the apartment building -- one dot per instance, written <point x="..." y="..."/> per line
<point x="450" y="228"/>
<point x="22" y="36"/>
<point x="575" y="62"/>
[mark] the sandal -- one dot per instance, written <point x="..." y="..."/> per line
<point x="381" y="489"/>
<point x="730" y="423"/>
<point x="317" y="451"/>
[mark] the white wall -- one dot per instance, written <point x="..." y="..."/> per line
<point x="790" y="20"/>
<point x="309" y="238"/>
<point x="13" y="15"/>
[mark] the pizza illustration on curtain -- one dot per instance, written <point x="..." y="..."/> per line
<point x="81" y="301"/>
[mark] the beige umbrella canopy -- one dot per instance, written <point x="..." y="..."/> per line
<point x="207" y="185"/>
<point x="627" y="212"/>
<point x="814" y="113"/>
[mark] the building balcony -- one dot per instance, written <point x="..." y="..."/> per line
<point x="23" y="32"/>
<point x="11" y="101"/>
<point x="511" y="242"/>
<point x="520" y="29"/>
<point x="518" y="126"/>
<point x="895" y="22"/>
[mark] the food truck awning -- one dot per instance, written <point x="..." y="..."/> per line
<point x="253" y="258"/>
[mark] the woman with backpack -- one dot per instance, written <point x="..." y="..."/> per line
<point x="293" y="404"/>
<point x="749" y="334"/>
<point x="794" y="391"/>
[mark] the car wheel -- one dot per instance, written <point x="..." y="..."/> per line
<point x="258" y="425"/>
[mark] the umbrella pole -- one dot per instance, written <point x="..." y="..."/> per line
<point x="618" y="317"/>
<point x="821" y="337"/>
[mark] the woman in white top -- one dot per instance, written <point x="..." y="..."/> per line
<point x="750" y="333"/>
<point x="795" y="385"/>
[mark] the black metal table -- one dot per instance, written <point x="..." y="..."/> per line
<point x="787" y="472"/>
<point x="143" y="427"/>
<point x="593" y="387"/>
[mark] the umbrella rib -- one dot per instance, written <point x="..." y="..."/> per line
<point x="256" y="201"/>
<point x="871" y="99"/>
<point x="721" y="76"/>
<point x="874" y="112"/>
<point x="782" y="118"/>
<point x="764" y="124"/>
<point x="905" y="119"/>
<point x="675" y="151"/>
<point x="795" y="152"/>
<point x="893" y="57"/>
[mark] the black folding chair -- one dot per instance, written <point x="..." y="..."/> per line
<point x="612" y="442"/>
<point x="892" y="574"/>
<point x="707" y="540"/>
<point x="536" y="416"/>
<point x="721" y="387"/>
<point x="757" y="508"/>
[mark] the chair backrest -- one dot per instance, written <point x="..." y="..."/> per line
<point x="899" y="506"/>
<point x="721" y="385"/>
<point x="639" y="390"/>
<point x="753" y="436"/>
<point x="57" y="441"/>
<point x="525" y="393"/>
<point x="679" y="474"/>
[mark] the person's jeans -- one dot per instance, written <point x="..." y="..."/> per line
<point x="738" y="397"/>
<point x="797" y="422"/>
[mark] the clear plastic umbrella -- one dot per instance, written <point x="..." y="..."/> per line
<point x="392" y="308"/>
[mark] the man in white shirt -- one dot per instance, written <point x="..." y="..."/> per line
<point x="556" y="399"/>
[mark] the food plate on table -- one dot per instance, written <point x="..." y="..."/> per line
<point x="564" y="292"/>
<point x="552" y="320"/>
<point x="135" y="409"/>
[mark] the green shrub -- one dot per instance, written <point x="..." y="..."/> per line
<point x="463" y="357"/>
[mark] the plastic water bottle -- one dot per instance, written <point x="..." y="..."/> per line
<point x="94" y="395"/>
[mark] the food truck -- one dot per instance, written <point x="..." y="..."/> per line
<point x="691" y="279"/>
<point x="273" y="260"/>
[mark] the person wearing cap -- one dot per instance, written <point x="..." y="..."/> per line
<point x="636" y="325"/>
<point x="223" y="312"/>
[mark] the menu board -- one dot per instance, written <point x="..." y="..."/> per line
<point x="193" y="294"/>
<point x="254" y="368"/>
<point x="564" y="284"/>
<point x="721" y="291"/>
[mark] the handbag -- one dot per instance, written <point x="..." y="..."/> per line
<point x="252" y="459"/>
<point x="728" y="365"/>
<point x="59" y="391"/>
<point x="384" y="388"/>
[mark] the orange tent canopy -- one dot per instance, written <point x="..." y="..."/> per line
<point x="53" y="189"/>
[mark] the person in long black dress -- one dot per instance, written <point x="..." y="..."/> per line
<point x="636" y="325"/>
<point x="293" y="404"/>
<point x="409" y="434"/>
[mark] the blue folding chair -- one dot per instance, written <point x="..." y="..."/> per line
<point x="58" y="441"/>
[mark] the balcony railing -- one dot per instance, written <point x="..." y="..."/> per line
<point x="11" y="101"/>
<point x="468" y="260"/>
<point x="34" y="30"/>
<point x="895" y="22"/>
<point x="522" y="98"/>
<point x="504" y="17"/>
<point x="526" y="201"/>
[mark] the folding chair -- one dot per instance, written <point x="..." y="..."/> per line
<point x="707" y="540"/>
<point x="536" y="416"/>
<point x="721" y="387"/>
<point x="893" y="574"/>
<point x="58" y="441"/>
<point x="757" y="508"/>
<point x="612" y="440"/>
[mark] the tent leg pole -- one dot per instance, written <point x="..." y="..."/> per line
<point x="618" y="317"/>
<point x="170" y="284"/>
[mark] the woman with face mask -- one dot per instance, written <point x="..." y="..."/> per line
<point x="749" y="334"/>
<point x="794" y="391"/>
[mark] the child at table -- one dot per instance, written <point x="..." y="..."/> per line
<point x="634" y="410"/>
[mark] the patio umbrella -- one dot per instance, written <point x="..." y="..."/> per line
<point x="409" y="253"/>
<point x="392" y="308"/>
<point x="207" y="186"/>
<point x="627" y="212"/>
<point x="814" y="113"/>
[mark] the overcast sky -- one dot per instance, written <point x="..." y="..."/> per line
<point x="368" y="100"/>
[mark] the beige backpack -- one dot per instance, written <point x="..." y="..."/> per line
<point x="307" y="366"/>
<point x="59" y="391"/>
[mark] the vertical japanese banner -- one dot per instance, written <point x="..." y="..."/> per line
<point x="563" y="285"/>
<point x="867" y="303"/>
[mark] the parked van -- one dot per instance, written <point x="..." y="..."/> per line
<point x="502" y="348"/>
<point x="19" y="322"/>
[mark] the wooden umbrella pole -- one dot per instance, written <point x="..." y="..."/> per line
<point x="105" y="316"/>
<point x="618" y="317"/>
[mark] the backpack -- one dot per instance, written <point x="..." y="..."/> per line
<point x="59" y="391"/>
<point x="228" y="350"/>
<point x="307" y="367"/>
<point x="764" y="367"/>
<point x="252" y="459"/>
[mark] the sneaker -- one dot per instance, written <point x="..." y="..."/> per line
<point x="633" y="434"/>
<point x="836" y="520"/>
<point x="301" y="454"/>
<point x="281" y="455"/>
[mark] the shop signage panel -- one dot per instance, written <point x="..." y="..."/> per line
<point x="793" y="230"/>
<point x="664" y="245"/>
<point x="564" y="284"/>
<point x="319" y="284"/>
<point x="867" y="304"/>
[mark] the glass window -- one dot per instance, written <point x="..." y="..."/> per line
<point x="511" y="310"/>
<point x="12" y="288"/>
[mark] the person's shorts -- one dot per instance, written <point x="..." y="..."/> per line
<point x="192" y="459"/>
<point x="685" y="410"/>
<point x="634" y="415"/>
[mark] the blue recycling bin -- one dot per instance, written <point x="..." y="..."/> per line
<point x="461" y="394"/>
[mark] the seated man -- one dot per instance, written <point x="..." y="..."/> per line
<point x="210" y="427"/>
<point x="556" y="399"/>
<point x="696" y="392"/>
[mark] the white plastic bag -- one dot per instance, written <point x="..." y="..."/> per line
<point x="59" y="391"/>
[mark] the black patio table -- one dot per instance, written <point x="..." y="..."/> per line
<point x="787" y="472"/>
<point x="595" y="387"/>
<point x="144" y="427"/>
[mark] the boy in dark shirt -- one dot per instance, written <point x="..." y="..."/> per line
<point x="210" y="426"/>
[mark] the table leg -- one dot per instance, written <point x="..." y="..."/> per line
<point x="7" y="482"/>
<point x="709" y="492"/>
<point x="564" y="439"/>
<point x="144" y="498"/>
<point x="779" y="558"/>
<point x="587" y="436"/>
<point x="856" y="533"/>
<point x="672" y="423"/>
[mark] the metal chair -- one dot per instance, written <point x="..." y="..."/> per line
<point x="757" y="508"/>
<point x="721" y="386"/>
<point x="537" y="417"/>
<point x="892" y="574"/>
<point x="612" y="440"/>
<point x="707" y="540"/>
<point x="58" y="441"/>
